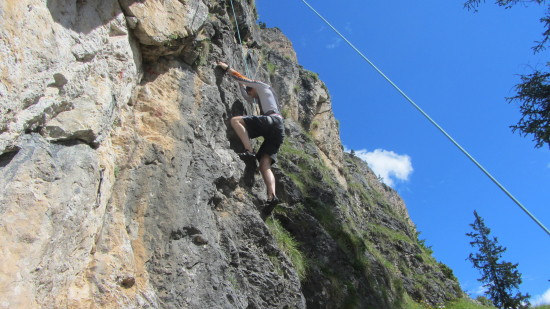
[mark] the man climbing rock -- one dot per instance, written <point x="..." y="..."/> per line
<point x="269" y="125"/>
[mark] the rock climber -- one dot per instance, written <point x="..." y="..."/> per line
<point x="269" y="125"/>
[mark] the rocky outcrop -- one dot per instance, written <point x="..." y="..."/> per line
<point x="120" y="185"/>
<point x="66" y="69"/>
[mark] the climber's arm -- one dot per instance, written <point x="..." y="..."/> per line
<point x="259" y="86"/>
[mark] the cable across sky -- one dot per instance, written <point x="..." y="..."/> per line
<point x="417" y="107"/>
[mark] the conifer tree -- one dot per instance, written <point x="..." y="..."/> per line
<point x="500" y="278"/>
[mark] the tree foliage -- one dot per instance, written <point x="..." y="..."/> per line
<point x="533" y="93"/>
<point x="500" y="278"/>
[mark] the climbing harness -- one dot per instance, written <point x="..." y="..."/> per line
<point x="432" y="121"/>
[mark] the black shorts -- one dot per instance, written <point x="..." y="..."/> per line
<point x="273" y="131"/>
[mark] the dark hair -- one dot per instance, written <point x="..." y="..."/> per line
<point x="248" y="88"/>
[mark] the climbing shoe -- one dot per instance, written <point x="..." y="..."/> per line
<point x="269" y="206"/>
<point x="273" y="201"/>
<point x="247" y="155"/>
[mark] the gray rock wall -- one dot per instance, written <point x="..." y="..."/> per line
<point x="120" y="186"/>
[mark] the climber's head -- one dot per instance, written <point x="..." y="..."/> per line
<point x="251" y="92"/>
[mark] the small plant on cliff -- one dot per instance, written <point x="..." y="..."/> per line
<point x="314" y="125"/>
<point x="289" y="245"/>
<point x="174" y="38"/>
<point x="313" y="75"/>
<point x="204" y="49"/>
<point x="271" y="67"/>
<point x="422" y="243"/>
<point x="285" y="112"/>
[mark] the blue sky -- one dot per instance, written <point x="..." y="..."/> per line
<point x="458" y="66"/>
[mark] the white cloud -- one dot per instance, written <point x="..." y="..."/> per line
<point x="543" y="299"/>
<point x="387" y="164"/>
<point x="348" y="27"/>
<point x="480" y="290"/>
<point x="335" y="43"/>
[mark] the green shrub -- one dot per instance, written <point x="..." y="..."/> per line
<point x="289" y="245"/>
<point x="285" y="112"/>
<point x="313" y="75"/>
<point x="484" y="301"/>
<point x="271" y="68"/>
<point x="448" y="272"/>
<point x="314" y="125"/>
<point x="204" y="49"/>
<point x="463" y="303"/>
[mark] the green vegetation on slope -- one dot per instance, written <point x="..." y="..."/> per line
<point x="357" y="220"/>
<point x="289" y="245"/>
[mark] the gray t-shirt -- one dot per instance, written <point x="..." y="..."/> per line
<point x="268" y="99"/>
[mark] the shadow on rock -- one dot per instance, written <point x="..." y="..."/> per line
<point x="83" y="16"/>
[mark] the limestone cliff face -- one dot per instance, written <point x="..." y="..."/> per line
<point x="120" y="186"/>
